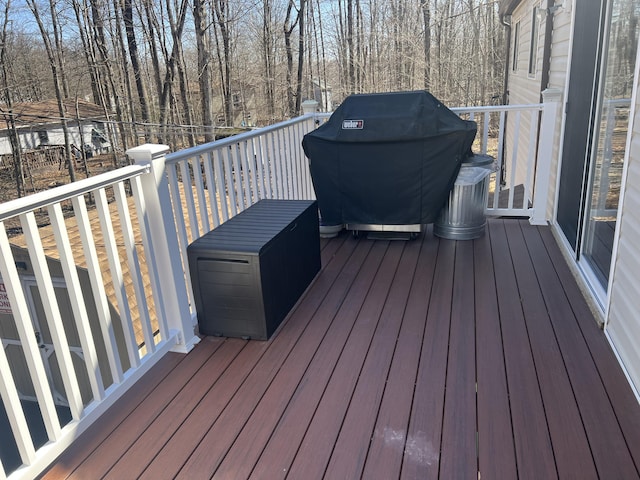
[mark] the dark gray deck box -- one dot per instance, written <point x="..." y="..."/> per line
<point x="248" y="272"/>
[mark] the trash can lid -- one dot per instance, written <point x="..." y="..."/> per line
<point x="471" y="175"/>
<point x="478" y="160"/>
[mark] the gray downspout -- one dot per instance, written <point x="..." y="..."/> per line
<point x="505" y="20"/>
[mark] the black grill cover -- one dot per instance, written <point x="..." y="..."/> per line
<point x="387" y="159"/>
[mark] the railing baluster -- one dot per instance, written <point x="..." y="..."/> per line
<point x="297" y="138"/>
<point x="77" y="300"/>
<point x="222" y="190"/>
<point x="498" y="185"/>
<point x="260" y="167"/>
<point x="237" y="177"/>
<point x="52" y="313"/>
<point x="133" y="262"/>
<point x="247" y="172"/>
<point x="273" y="168"/>
<point x="252" y="171"/>
<point x="97" y="287"/>
<point x="531" y="158"/>
<point x="117" y="278"/>
<point x="514" y="159"/>
<point x="287" y="160"/>
<point x="147" y="243"/>
<point x="176" y="202"/>
<point x="27" y="337"/>
<point x="276" y="178"/>
<point x="485" y="132"/>
<point x="230" y="183"/>
<point x="187" y="195"/>
<point x="293" y="161"/>
<point x="211" y="188"/>
<point x="202" y="202"/>
<point x="13" y="407"/>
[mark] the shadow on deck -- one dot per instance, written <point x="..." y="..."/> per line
<point x="423" y="359"/>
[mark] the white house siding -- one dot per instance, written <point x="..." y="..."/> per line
<point x="30" y="139"/>
<point x="523" y="87"/>
<point x="623" y="324"/>
<point x="558" y="68"/>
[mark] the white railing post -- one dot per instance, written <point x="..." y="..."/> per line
<point x="309" y="106"/>
<point x="551" y="101"/>
<point x="171" y="300"/>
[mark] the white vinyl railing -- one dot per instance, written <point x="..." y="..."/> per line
<point x="82" y="310"/>
<point x="213" y="182"/>
<point x="520" y="138"/>
<point x="86" y="308"/>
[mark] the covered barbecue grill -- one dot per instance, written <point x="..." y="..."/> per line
<point x="387" y="161"/>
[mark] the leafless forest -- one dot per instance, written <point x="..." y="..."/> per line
<point x="167" y="66"/>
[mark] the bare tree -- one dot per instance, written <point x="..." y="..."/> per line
<point x="200" y="19"/>
<point x="8" y="100"/>
<point x="56" y="67"/>
<point x="294" y="94"/>
<point x="127" y="16"/>
<point x="223" y="49"/>
<point x="268" y="55"/>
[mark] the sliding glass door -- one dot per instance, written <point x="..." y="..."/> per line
<point x="609" y="141"/>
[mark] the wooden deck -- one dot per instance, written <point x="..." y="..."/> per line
<point x="420" y="359"/>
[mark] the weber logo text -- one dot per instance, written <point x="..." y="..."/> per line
<point x="352" y="124"/>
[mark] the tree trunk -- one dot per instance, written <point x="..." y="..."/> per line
<point x="426" y="23"/>
<point x="127" y="15"/>
<point x="268" y="57"/>
<point x="14" y="140"/>
<point x="288" y="30"/>
<point x="204" y="67"/>
<point x="170" y="63"/>
<point x="301" y="35"/>
<point x="221" y="10"/>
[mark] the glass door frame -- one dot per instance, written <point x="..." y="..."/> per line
<point x="600" y="291"/>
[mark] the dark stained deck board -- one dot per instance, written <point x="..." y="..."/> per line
<point x="568" y="436"/>
<point x="117" y="443"/>
<point x="326" y="324"/>
<point x="216" y="430"/>
<point x="280" y="449"/>
<point x="496" y="449"/>
<point x="176" y="412"/>
<point x="422" y="448"/>
<point x="459" y="457"/>
<point x="358" y="425"/>
<point x="528" y="418"/>
<point x="318" y="443"/>
<point x="607" y="443"/>
<point x="620" y="393"/>
<point x="374" y="374"/>
<point x="106" y="424"/>
<point x="388" y="441"/>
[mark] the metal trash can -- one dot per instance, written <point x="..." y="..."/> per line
<point x="462" y="217"/>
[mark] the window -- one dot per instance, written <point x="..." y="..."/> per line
<point x="43" y="136"/>
<point x="533" y="46"/>
<point x="516" y="47"/>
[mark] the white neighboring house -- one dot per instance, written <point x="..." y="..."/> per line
<point x="587" y="52"/>
<point x="39" y="125"/>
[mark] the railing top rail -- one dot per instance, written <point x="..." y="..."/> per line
<point x="497" y="108"/>
<point x="49" y="197"/>
<point x="205" y="147"/>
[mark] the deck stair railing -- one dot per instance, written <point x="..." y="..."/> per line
<point x="94" y="298"/>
